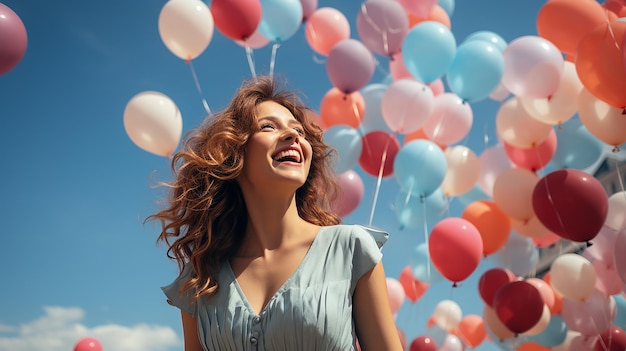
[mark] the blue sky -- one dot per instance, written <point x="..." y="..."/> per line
<point x="77" y="258"/>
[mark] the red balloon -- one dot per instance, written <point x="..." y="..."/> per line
<point x="518" y="305"/>
<point x="413" y="288"/>
<point x="379" y="149"/>
<point x="13" y="39"/>
<point x="534" y="158"/>
<point x="236" y="19"/>
<point x="613" y="339"/>
<point x="88" y="344"/>
<point x="455" y="247"/>
<point x="491" y="281"/>
<point x="423" y="343"/>
<point x="571" y="203"/>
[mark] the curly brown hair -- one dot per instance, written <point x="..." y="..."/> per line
<point x="206" y="216"/>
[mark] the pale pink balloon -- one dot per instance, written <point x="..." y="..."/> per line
<point x="602" y="245"/>
<point x="532" y="228"/>
<point x="437" y="87"/>
<point x="406" y="105"/>
<point x="500" y="93"/>
<point x="350" y="65"/>
<point x="463" y="170"/>
<point x="589" y="317"/>
<point x="186" y="27"/>
<point x="515" y="126"/>
<point x="493" y="161"/>
<point x="351" y="195"/>
<point x="254" y="41"/>
<point x="382" y="26"/>
<point x="450" y="120"/>
<point x="603" y="121"/>
<point x="325" y="28"/>
<point x="616" y="217"/>
<point x="396" y="294"/>
<point x="421" y="8"/>
<point x="532" y="67"/>
<point x="513" y="192"/>
<point x="620" y="257"/>
<point x="308" y="7"/>
<point x="397" y="69"/>
<point x="608" y="281"/>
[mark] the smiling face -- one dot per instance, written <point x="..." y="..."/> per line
<point x="277" y="153"/>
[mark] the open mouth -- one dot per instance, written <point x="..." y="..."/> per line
<point x="288" y="156"/>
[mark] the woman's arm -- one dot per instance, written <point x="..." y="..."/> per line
<point x="375" y="326"/>
<point x="190" y="333"/>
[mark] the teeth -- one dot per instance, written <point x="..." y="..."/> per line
<point x="288" y="153"/>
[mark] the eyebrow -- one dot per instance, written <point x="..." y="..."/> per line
<point x="292" y="121"/>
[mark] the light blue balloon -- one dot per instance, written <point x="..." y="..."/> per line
<point x="373" y="116"/>
<point x="348" y="143"/>
<point x="420" y="167"/>
<point x="280" y="19"/>
<point x="447" y="5"/>
<point x="554" y="334"/>
<point x="620" y="317"/>
<point x="415" y="212"/>
<point x="422" y="267"/>
<point x="490" y="37"/>
<point x="476" y="70"/>
<point x="519" y="254"/>
<point x="428" y="50"/>
<point x="577" y="147"/>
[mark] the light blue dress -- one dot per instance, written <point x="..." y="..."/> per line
<point x="311" y="311"/>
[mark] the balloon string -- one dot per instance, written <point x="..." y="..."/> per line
<point x="273" y="59"/>
<point x="423" y="202"/>
<point x="551" y="200"/>
<point x="383" y="32"/>
<point x="608" y="24"/>
<point x="383" y="159"/>
<point x="249" y="55"/>
<point x="195" y="80"/>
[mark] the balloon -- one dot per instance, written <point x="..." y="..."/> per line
<point x="414" y="211"/>
<point x="410" y="163"/>
<point x="350" y="65"/>
<point x="518" y="305"/>
<point x="554" y="334"/>
<point x="308" y="7"/>
<point x="590" y="317"/>
<point x="186" y="27"/>
<point x="419" y="134"/>
<point x="532" y="67"/>
<point x="513" y="190"/>
<point x="395" y="291"/>
<point x="500" y="93"/>
<point x="544" y="240"/>
<point x="565" y="23"/>
<point x="326" y="27"/>
<point x="421" y="264"/>
<point x="616" y="216"/>
<point x="573" y="276"/>
<point x="348" y="144"/>
<point x="413" y="288"/>
<point x="620" y="258"/>
<point x="476" y="70"/>
<point x="620" y="314"/>
<point x="88" y="344"/>
<point x="492" y="224"/>
<point x="599" y="63"/>
<point x="571" y="204"/>
<point x="462" y="172"/>
<point x="451" y="343"/>
<point x="423" y="343"/>
<point x="418" y="8"/>
<point x="533" y="228"/>
<point x="516" y="127"/>
<point x="373" y="117"/>
<point x="153" y="122"/>
<point x="236" y="19"/>
<point x="613" y="339"/>
<point x="447" y="315"/>
<point x="519" y="254"/>
<point x="450" y="121"/>
<point x="378" y="153"/>
<point x="382" y="26"/>
<point x="493" y="161"/>
<point x="558" y="298"/>
<point x="455" y="247"/>
<point x="472" y="330"/>
<point x="608" y="281"/>
<point x="533" y="158"/>
<point x="602" y="246"/>
<point x="489" y="37"/>
<point x="437" y="14"/>
<point x="495" y="325"/>
<point x="531" y="346"/>
<point x="280" y="19"/>
<point x="447" y="6"/>
<point x="338" y="108"/>
<point x="397" y="68"/>
<point x="428" y="50"/>
<point x="604" y="121"/>
<point x="491" y="281"/>
<point x="406" y="105"/>
<point x="13" y="39"/>
<point x="255" y="41"/>
<point x="542" y="324"/>
<point x="547" y="294"/>
<point x="577" y="147"/>
<point x="352" y="190"/>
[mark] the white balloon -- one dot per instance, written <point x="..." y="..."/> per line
<point x="573" y="276"/>
<point x="186" y="27"/>
<point x="463" y="170"/>
<point x="616" y="217"/>
<point x="447" y="315"/>
<point x="153" y="122"/>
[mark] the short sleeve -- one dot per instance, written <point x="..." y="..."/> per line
<point x="366" y="250"/>
<point x="174" y="296"/>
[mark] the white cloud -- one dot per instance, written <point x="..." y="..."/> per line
<point x="60" y="328"/>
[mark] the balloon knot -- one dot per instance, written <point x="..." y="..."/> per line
<point x="589" y="243"/>
<point x="624" y="111"/>
<point x="454" y="285"/>
<point x="559" y="126"/>
<point x="549" y="98"/>
<point x="187" y="61"/>
<point x="345" y="97"/>
<point x="615" y="148"/>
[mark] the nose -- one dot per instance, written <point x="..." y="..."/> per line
<point x="291" y="135"/>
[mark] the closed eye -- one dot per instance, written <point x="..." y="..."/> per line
<point x="267" y="125"/>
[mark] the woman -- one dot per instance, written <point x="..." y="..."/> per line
<point x="264" y="264"/>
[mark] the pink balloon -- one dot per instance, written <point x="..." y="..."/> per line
<point x="455" y="247"/>
<point x="421" y="8"/>
<point x="493" y="161"/>
<point x="350" y="65"/>
<point x="602" y="245"/>
<point x="607" y="279"/>
<point x="437" y="87"/>
<point x="620" y="257"/>
<point x="406" y="105"/>
<point x="308" y="7"/>
<point x="325" y="28"/>
<point x="352" y="190"/>
<point x="590" y="317"/>
<point x="533" y="158"/>
<point x="395" y="291"/>
<point x="13" y="39"/>
<point x="255" y="41"/>
<point x="88" y="344"/>
<point x="450" y="120"/>
<point x="382" y="26"/>
<point x="397" y="69"/>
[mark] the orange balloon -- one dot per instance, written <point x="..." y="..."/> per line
<point x="532" y="346"/>
<point x="437" y="14"/>
<point x="616" y="7"/>
<point x="472" y="330"/>
<point x="338" y="107"/>
<point x="492" y="223"/>
<point x="419" y="134"/>
<point x="599" y="63"/>
<point x="413" y="288"/>
<point x="566" y="22"/>
<point x="558" y="298"/>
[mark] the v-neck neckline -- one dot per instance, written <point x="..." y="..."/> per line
<point x="282" y="287"/>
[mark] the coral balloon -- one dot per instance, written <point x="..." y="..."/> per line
<point x="350" y="65"/>
<point x="437" y="14"/>
<point x="88" y="344"/>
<point x="533" y="158"/>
<point x="491" y="281"/>
<point x="414" y="289"/>
<point x="13" y="39"/>
<point x="352" y="190"/>
<point x="379" y="152"/>
<point x="600" y="65"/>
<point x="382" y="26"/>
<point x="513" y="192"/>
<point x="236" y="19"/>
<point x="418" y="8"/>
<point x="518" y="305"/>
<point x="472" y="330"/>
<point x="604" y="121"/>
<point x="325" y="28"/>
<point x="153" y="122"/>
<point x="455" y="247"/>
<point x="492" y="224"/>
<point x="571" y="204"/>
<point x="338" y="107"/>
